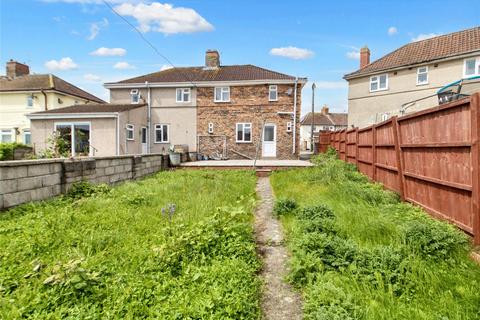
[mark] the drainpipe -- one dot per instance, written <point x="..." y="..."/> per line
<point x="295" y="116"/>
<point x="45" y="96"/>
<point x="149" y="116"/>
<point x="118" y="136"/>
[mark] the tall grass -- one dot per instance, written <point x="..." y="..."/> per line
<point x="115" y="254"/>
<point x="374" y="257"/>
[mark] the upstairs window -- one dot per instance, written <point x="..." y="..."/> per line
<point x="30" y="100"/>
<point x="422" y="76"/>
<point x="222" y="94"/>
<point x="378" y="83"/>
<point x="161" y="133"/>
<point x="130" y="131"/>
<point x="244" y="132"/>
<point x="135" y="96"/>
<point x="272" y="93"/>
<point x="183" y="95"/>
<point x="471" y="67"/>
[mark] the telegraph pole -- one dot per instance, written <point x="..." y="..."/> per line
<point x="313" y="117"/>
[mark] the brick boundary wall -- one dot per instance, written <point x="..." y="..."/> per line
<point x="33" y="180"/>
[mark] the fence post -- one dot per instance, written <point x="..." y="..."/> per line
<point x="475" y="150"/>
<point x="398" y="151"/>
<point x="374" y="152"/>
<point x="356" y="147"/>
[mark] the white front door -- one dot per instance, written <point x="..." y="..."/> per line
<point x="144" y="140"/>
<point x="269" y="141"/>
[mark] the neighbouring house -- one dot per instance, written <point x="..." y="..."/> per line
<point x="229" y="111"/>
<point x="94" y="129"/>
<point x="322" y="121"/>
<point x="22" y="93"/>
<point x="409" y="78"/>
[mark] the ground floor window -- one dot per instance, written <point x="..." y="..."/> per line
<point x="161" y="133"/>
<point x="244" y="132"/>
<point x="6" y="135"/>
<point x="27" y="137"/>
<point x="73" y="138"/>
<point x="130" y="131"/>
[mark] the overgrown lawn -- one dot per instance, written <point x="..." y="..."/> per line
<point x="106" y="253"/>
<point x="359" y="253"/>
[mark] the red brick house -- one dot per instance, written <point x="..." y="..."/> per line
<point x="235" y="111"/>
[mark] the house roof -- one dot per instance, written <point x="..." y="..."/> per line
<point x="222" y="73"/>
<point x="325" y="119"/>
<point x="92" y="108"/>
<point x="34" y="82"/>
<point x="441" y="47"/>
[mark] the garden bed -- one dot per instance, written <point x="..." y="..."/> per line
<point x="360" y="253"/>
<point x="115" y="254"/>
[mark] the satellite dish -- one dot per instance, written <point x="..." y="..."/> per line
<point x="289" y="91"/>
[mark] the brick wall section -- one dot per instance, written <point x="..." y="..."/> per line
<point x="32" y="180"/>
<point x="247" y="104"/>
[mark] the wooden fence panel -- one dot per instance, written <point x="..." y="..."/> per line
<point x="431" y="158"/>
<point x="323" y="141"/>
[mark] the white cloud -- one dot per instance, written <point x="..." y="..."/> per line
<point x="329" y="85"/>
<point x="62" y="64"/>
<point x="355" y="55"/>
<point x="166" y="67"/>
<point x="164" y="18"/>
<point x="292" y="53"/>
<point x="392" y="31"/>
<point x="92" y="77"/>
<point x="123" y="65"/>
<point x="95" y="28"/>
<point x="424" y="36"/>
<point x="109" y="52"/>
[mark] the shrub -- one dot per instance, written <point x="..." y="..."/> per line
<point x="434" y="239"/>
<point x="85" y="189"/>
<point x="320" y="211"/>
<point x="7" y="150"/>
<point x="284" y="206"/>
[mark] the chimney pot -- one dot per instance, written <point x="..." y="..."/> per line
<point x="212" y="59"/>
<point x="364" y="57"/>
<point x="325" y="109"/>
<point x="16" y="69"/>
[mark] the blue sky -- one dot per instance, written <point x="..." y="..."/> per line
<point x="314" y="39"/>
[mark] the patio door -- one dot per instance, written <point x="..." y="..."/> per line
<point x="73" y="139"/>
<point x="269" y="141"/>
<point x="144" y="140"/>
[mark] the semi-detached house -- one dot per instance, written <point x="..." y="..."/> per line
<point x="234" y="111"/>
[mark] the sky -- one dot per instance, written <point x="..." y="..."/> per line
<point x="85" y="43"/>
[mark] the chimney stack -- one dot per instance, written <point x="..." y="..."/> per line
<point x="364" y="57"/>
<point x="16" y="69"/>
<point x="325" y="110"/>
<point x="212" y="59"/>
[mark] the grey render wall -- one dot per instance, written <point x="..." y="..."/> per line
<point x="32" y="180"/>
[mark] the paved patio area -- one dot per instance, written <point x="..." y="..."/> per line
<point x="248" y="163"/>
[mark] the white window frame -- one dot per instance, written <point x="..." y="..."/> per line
<point x="25" y="133"/>
<point x="130" y="128"/>
<point x="271" y="89"/>
<point x="378" y="82"/>
<point x="419" y="73"/>
<point x="159" y="126"/>
<point x="134" y="93"/>
<point x="476" y="70"/>
<point x="222" y="91"/>
<point x="243" y="124"/>
<point x="210" y="127"/>
<point x="289" y="126"/>
<point x="72" y="127"/>
<point x="7" y="132"/>
<point x="183" y="91"/>
<point x="29" y="99"/>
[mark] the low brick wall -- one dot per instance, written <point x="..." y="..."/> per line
<point x="32" y="180"/>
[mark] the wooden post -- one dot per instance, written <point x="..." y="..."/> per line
<point x="398" y="150"/>
<point x="475" y="150"/>
<point x="374" y="152"/>
<point x="356" y="147"/>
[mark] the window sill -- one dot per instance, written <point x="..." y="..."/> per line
<point x="165" y="142"/>
<point x="221" y="101"/>
<point x="372" y="91"/>
<point x="130" y="139"/>
<point x="422" y="84"/>
<point x="243" y="142"/>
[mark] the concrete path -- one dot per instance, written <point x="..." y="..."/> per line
<point x="279" y="301"/>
